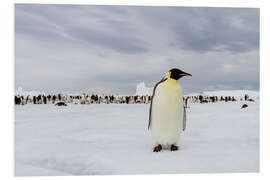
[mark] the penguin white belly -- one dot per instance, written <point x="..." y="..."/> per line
<point x="167" y="113"/>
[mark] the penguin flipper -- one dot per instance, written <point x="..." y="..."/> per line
<point x="184" y="119"/>
<point x="150" y="111"/>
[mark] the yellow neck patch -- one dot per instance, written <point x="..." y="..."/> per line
<point x="168" y="75"/>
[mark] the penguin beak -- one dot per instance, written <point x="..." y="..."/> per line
<point x="185" y="74"/>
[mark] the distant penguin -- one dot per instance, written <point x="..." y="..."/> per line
<point x="17" y="100"/>
<point x="246" y="97"/>
<point x="60" y="104"/>
<point x="49" y="97"/>
<point x="69" y="99"/>
<point x="187" y="102"/>
<point x="167" y="113"/>
<point x="59" y="97"/>
<point x="44" y="99"/>
<point x="97" y="99"/>
<point x="83" y="98"/>
<point x="88" y="99"/>
<point x="200" y="98"/>
<point x="34" y="99"/>
<point x="127" y="99"/>
<point x="244" y="106"/>
<point x="146" y="99"/>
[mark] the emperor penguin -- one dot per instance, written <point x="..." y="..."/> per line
<point x="167" y="117"/>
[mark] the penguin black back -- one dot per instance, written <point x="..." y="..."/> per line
<point x="244" y="106"/>
<point x="60" y="104"/>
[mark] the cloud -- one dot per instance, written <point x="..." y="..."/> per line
<point x="212" y="29"/>
<point x="77" y="48"/>
<point x="43" y="22"/>
<point x="120" y="44"/>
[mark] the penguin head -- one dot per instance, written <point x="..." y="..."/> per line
<point x="177" y="73"/>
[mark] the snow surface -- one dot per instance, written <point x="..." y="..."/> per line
<point x="113" y="139"/>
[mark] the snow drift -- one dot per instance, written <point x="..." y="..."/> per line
<point x="143" y="90"/>
<point x="21" y="92"/>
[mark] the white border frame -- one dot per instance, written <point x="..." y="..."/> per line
<point x="7" y="84"/>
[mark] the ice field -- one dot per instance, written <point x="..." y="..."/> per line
<point x="98" y="139"/>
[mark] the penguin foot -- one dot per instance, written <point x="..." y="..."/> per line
<point x="174" y="148"/>
<point x="157" y="148"/>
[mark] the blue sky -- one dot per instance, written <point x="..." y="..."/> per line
<point x="109" y="49"/>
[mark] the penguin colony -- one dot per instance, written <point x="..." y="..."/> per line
<point x="109" y="99"/>
<point x="82" y="99"/>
